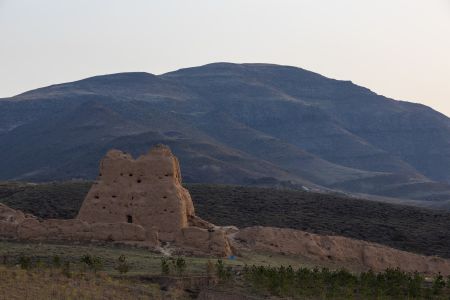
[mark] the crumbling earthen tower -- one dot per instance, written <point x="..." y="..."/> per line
<point x="148" y="192"/>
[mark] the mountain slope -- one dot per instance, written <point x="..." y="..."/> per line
<point x="230" y="123"/>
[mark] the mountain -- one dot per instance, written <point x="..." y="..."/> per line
<point x="236" y="124"/>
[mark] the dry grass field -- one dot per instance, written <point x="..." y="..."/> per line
<point x="49" y="283"/>
<point x="77" y="271"/>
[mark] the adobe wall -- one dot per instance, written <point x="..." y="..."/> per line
<point x="337" y="249"/>
<point x="16" y="225"/>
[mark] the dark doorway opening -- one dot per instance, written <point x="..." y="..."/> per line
<point x="129" y="219"/>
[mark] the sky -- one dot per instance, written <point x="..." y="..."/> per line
<point x="397" y="48"/>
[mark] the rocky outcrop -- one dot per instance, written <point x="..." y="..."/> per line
<point x="336" y="249"/>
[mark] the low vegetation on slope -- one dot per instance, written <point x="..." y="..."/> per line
<point x="403" y="227"/>
<point x="49" y="200"/>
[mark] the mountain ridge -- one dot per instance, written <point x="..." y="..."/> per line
<point x="247" y="122"/>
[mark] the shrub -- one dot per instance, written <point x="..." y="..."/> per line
<point x="223" y="272"/>
<point x="40" y="264"/>
<point x="180" y="266"/>
<point x="122" y="265"/>
<point x="438" y="285"/>
<point x="25" y="262"/>
<point x="165" y="268"/>
<point x="56" y="261"/>
<point x="94" y="263"/>
<point x="415" y="285"/>
<point x="173" y="266"/>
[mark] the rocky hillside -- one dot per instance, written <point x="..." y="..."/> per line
<point x="236" y="124"/>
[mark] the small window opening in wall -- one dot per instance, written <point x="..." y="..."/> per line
<point x="100" y="174"/>
<point x="96" y="197"/>
<point x="165" y="197"/>
<point x="167" y="175"/>
<point x="139" y="181"/>
<point x="129" y="219"/>
<point x="114" y="196"/>
<point x="104" y="207"/>
<point x="131" y="174"/>
<point x="121" y="174"/>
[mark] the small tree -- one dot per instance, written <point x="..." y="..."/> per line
<point x="438" y="284"/>
<point x="92" y="262"/>
<point x="56" y="261"/>
<point x="223" y="272"/>
<point x="180" y="266"/>
<point x="415" y="285"/>
<point x="122" y="265"/>
<point x="25" y="262"/>
<point x="40" y="264"/>
<point x="165" y="268"/>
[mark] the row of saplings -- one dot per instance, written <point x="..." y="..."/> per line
<point x="341" y="284"/>
<point x="304" y="283"/>
<point x="301" y="283"/>
<point x="87" y="263"/>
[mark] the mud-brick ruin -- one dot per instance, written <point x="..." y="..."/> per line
<point x="142" y="202"/>
<point x="137" y="201"/>
<point x="147" y="193"/>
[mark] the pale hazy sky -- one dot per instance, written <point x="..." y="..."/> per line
<point x="398" y="48"/>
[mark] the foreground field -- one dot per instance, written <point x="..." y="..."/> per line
<point x="143" y="261"/>
<point x="56" y="271"/>
<point x="406" y="228"/>
<point x="63" y="271"/>
<point x="54" y="284"/>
